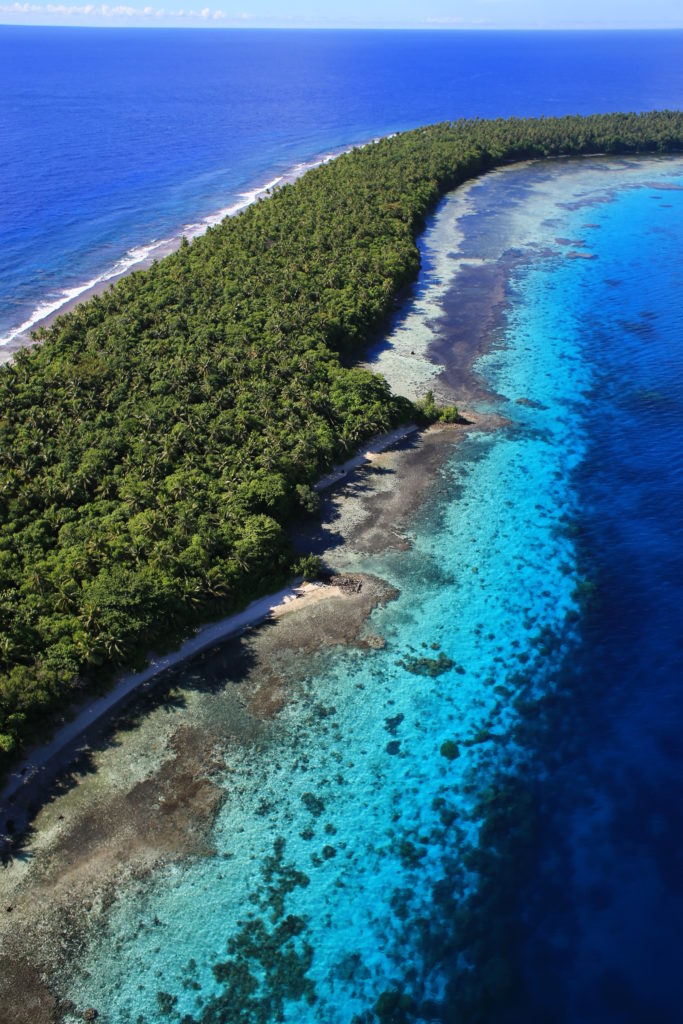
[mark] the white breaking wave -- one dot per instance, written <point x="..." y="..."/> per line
<point x="143" y="254"/>
<point x="134" y="256"/>
<point x="245" y="199"/>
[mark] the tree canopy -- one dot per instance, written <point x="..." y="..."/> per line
<point x="158" y="440"/>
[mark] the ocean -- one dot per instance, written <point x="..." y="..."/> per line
<point x="114" y="143"/>
<point x="466" y="810"/>
<point x="470" y="811"/>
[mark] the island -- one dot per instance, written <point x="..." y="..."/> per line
<point x="157" y="441"/>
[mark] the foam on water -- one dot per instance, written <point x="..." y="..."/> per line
<point x="345" y="815"/>
<point x="113" y="140"/>
<point x="136" y="256"/>
<point x="141" y="256"/>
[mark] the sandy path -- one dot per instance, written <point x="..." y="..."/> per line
<point x="32" y="776"/>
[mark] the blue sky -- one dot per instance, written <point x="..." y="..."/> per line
<point x="434" y="14"/>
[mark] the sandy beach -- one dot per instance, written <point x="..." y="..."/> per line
<point x="143" y="791"/>
<point x="32" y="777"/>
<point x="147" y="795"/>
<point x="386" y="794"/>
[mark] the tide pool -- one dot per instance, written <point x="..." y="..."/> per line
<point x="370" y="831"/>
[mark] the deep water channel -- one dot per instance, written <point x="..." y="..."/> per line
<point x="452" y="796"/>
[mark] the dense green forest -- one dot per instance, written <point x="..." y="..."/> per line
<point x="157" y="442"/>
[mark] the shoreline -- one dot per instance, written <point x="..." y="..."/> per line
<point x="96" y="831"/>
<point x="47" y="311"/>
<point x="47" y="760"/>
<point x="99" y="847"/>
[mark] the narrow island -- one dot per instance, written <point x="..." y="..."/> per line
<point x="159" y="439"/>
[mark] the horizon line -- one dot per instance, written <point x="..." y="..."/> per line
<point x="242" y="27"/>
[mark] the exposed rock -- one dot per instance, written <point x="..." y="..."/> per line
<point x="351" y="583"/>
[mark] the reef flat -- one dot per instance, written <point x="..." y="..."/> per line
<point x="337" y="810"/>
<point x="159" y="439"/>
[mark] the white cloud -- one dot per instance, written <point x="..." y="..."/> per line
<point x="106" y="12"/>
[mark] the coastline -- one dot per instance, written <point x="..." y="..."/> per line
<point x="48" y="760"/>
<point x="84" y="857"/>
<point x="45" y="762"/>
<point x="142" y="256"/>
<point x="98" y="832"/>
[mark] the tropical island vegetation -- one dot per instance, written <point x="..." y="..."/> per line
<point x="158" y="441"/>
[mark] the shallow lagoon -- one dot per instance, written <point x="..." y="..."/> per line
<point x="373" y="834"/>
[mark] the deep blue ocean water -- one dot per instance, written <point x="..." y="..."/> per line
<point x="113" y="140"/>
<point x="600" y="917"/>
<point x="537" y="876"/>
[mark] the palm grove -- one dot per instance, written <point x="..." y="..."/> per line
<point x="155" y="445"/>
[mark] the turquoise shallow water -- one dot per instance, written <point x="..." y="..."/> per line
<point x="354" y="856"/>
<point x="598" y="923"/>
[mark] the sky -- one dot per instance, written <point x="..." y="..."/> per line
<point x="425" y="14"/>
